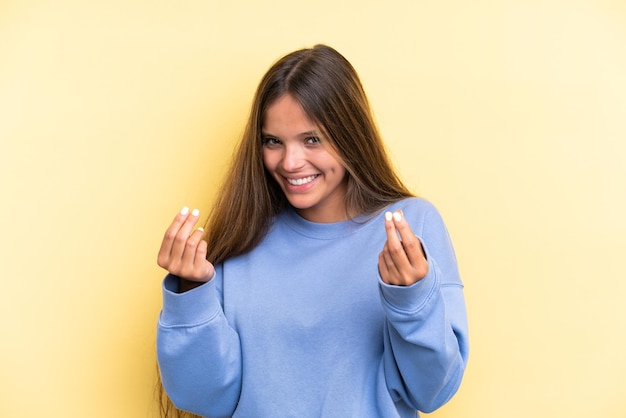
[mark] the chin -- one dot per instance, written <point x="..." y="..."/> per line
<point x="300" y="205"/>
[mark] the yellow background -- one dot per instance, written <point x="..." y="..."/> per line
<point x="509" y="115"/>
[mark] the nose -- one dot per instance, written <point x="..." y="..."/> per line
<point x="293" y="158"/>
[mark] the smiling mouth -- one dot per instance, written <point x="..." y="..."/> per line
<point x="301" y="181"/>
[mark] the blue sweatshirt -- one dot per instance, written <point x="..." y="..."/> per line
<point x="303" y="326"/>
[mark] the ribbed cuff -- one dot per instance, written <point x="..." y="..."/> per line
<point x="190" y="308"/>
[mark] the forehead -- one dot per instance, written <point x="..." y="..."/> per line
<point x="286" y="113"/>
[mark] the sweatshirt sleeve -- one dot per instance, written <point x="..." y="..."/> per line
<point x="426" y="341"/>
<point x="198" y="352"/>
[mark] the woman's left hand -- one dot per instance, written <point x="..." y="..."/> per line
<point x="402" y="261"/>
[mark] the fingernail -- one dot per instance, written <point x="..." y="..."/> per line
<point x="184" y="210"/>
<point x="397" y="216"/>
<point x="201" y="229"/>
<point x="387" y="216"/>
<point x="195" y="212"/>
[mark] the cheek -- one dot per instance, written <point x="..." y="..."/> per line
<point x="333" y="163"/>
<point x="341" y="174"/>
<point x="334" y="166"/>
<point x="267" y="160"/>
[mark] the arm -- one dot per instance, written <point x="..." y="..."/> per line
<point x="426" y="342"/>
<point x="198" y="352"/>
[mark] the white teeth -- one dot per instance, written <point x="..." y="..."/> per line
<point x="300" y="182"/>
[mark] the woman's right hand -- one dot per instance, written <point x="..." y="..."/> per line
<point x="183" y="251"/>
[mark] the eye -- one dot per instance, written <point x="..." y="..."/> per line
<point x="269" y="140"/>
<point x="313" y="140"/>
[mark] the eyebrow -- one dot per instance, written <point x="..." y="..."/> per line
<point x="308" y="133"/>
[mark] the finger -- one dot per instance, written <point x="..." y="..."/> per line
<point x="180" y="240"/>
<point x="188" y="258"/>
<point x="387" y="268"/>
<point x="201" y="270"/>
<point x="201" y="250"/>
<point x="394" y="244"/>
<point x="390" y="229"/>
<point x="392" y="267"/>
<point x="170" y="235"/>
<point x="382" y="267"/>
<point x="202" y="265"/>
<point x="411" y="244"/>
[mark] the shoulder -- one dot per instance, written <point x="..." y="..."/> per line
<point x="414" y="206"/>
<point x="421" y="214"/>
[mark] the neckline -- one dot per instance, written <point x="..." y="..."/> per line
<point x="326" y="231"/>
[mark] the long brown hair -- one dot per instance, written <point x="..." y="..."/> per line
<point x="330" y="93"/>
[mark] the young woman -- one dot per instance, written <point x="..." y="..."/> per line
<point x="322" y="287"/>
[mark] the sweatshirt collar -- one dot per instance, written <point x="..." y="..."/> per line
<point x="326" y="230"/>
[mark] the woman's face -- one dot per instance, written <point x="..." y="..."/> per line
<point x="294" y="153"/>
